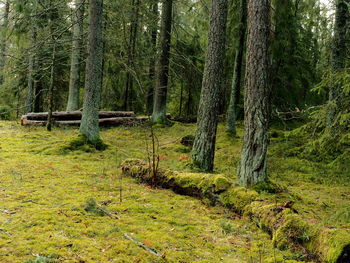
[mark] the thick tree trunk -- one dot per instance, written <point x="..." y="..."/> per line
<point x="160" y="96"/>
<point x="30" y="76"/>
<point x="152" y="62"/>
<point x="204" y="144"/>
<point x="89" y="124"/>
<point x="3" y="40"/>
<point x="75" y="69"/>
<point x="254" y="153"/>
<point x="237" y="71"/>
<point x="129" y="89"/>
<point x="338" y="52"/>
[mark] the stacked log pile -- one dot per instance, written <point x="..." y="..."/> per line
<point x="73" y="118"/>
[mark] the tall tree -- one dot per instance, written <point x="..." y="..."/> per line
<point x="339" y="51"/>
<point x="237" y="71"/>
<point x="160" y="96"/>
<point x="75" y="70"/>
<point x="254" y="153"/>
<point x="89" y="126"/>
<point x="152" y="62"/>
<point x="4" y="39"/>
<point x="204" y="144"/>
<point x="134" y="24"/>
<point x="31" y="60"/>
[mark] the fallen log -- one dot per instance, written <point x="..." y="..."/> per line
<point x="287" y="228"/>
<point x="75" y="115"/>
<point x="107" y="122"/>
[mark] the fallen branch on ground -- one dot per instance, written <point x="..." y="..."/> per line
<point x="140" y="244"/>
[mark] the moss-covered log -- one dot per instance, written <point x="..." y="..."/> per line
<point x="75" y="115"/>
<point x="287" y="228"/>
<point x="106" y="122"/>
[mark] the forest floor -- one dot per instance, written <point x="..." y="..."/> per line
<point x="45" y="188"/>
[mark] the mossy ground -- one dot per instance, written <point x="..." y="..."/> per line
<point x="45" y="188"/>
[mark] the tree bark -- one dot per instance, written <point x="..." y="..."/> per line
<point x="160" y="96"/>
<point x="204" y="144"/>
<point x="339" y="52"/>
<point x="237" y="71"/>
<point x="89" y="124"/>
<point x="254" y="153"/>
<point x="3" y="40"/>
<point x="76" y="54"/>
<point x="152" y="62"/>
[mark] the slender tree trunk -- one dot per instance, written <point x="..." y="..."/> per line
<point x="38" y="87"/>
<point x="129" y="89"/>
<point x="51" y="86"/>
<point x="89" y="126"/>
<point x="75" y="69"/>
<point x="237" y="72"/>
<point x="3" y="40"/>
<point x="30" y="76"/>
<point x="204" y="143"/>
<point x="338" y="52"/>
<point x="254" y="153"/>
<point x="160" y="96"/>
<point x="152" y="62"/>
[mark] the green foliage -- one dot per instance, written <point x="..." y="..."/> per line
<point x="5" y="112"/>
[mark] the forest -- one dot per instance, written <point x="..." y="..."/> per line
<point x="175" y="131"/>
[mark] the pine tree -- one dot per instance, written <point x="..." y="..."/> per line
<point x="76" y="60"/>
<point x="89" y="126"/>
<point x="161" y="91"/>
<point x="204" y="144"/>
<point x="237" y="70"/>
<point x="254" y="153"/>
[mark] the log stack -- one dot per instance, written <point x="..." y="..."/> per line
<point x="73" y="118"/>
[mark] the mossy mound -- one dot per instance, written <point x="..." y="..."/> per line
<point x="193" y="184"/>
<point x="238" y="198"/>
<point x="81" y="143"/>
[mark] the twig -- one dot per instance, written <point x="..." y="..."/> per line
<point x="3" y="230"/>
<point x="149" y="249"/>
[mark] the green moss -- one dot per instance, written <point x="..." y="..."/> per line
<point x="41" y="259"/>
<point x="268" y="187"/>
<point x="294" y="230"/>
<point x="333" y="245"/>
<point x="83" y="144"/>
<point x="238" y="198"/>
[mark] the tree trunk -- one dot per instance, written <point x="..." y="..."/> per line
<point x="129" y="89"/>
<point x="254" y="153"/>
<point x="75" y="69"/>
<point x="237" y="72"/>
<point x="51" y="86"/>
<point x="152" y="62"/>
<point x="3" y="40"/>
<point x="89" y="124"/>
<point x="160" y="96"/>
<point x="30" y="76"/>
<point x="204" y="144"/>
<point x="338" y="52"/>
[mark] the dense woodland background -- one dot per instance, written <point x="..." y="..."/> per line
<point x="300" y="52"/>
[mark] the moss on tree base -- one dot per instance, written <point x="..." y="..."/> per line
<point x="288" y="229"/>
